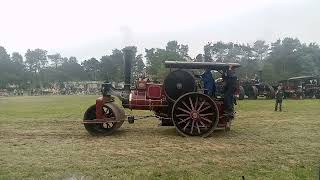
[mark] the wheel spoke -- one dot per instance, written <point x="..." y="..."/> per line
<point x="192" y="127"/>
<point x="201" y="105"/>
<point x="204" y="109"/>
<point x="198" y="127"/>
<point x="184" y="128"/>
<point x="183" y="110"/>
<point x="182" y="115"/>
<point x="206" y="119"/>
<point x="202" y="124"/>
<point x="208" y="114"/>
<point x="184" y="120"/>
<point x="184" y="103"/>
<point x="106" y="110"/>
<point x="191" y="103"/>
<point x="196" y="103"/>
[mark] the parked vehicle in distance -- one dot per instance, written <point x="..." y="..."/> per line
<point x="301" y="87"/>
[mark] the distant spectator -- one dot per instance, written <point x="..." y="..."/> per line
<point x="279" y="98"/>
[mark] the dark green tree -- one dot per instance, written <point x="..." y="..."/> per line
<point x="156" y="57"/>
<point x="138" y="67"/>
<point x="260" y="49"/>
<point x="92" y="68"/>
<point x="56" y="59"/>
<point x="17" y="58"/>
<point x="72" y="59"/>
<point x="285" y="58"/>
<point x="5" y="67"/>
<point x="20" y="76"/>
<point x="36" y="61"/>
<point x="72" y="70"/>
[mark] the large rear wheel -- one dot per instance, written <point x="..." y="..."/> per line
<point x="195" y="114"/>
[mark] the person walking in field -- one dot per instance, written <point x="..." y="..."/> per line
<point x="279" y="98"/>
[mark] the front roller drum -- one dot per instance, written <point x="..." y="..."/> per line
<point x="114" y="118"/>
<point x="195" y="114"/>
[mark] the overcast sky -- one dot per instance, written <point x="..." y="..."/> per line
<point x="93" y="28"/>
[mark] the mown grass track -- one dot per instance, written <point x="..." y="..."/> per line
<point x="42" y="138"/>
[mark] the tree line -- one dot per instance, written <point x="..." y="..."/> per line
<point x="278" y="60"/>
<point x="38" y="69"/>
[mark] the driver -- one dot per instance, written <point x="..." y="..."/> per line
<point x="230" y="88"/>
<point x="208" y="83"/>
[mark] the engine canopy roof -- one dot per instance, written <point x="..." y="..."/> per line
<point x="200" y="65"/>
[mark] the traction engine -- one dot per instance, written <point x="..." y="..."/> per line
<point x="180" y="101"/>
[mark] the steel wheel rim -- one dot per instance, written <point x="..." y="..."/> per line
<point x="195" y="114"/>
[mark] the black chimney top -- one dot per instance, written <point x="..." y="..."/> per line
<point x="129" y="54"/>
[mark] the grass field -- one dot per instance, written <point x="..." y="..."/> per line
<point x="43" y="138"/>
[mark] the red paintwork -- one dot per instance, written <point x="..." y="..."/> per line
<point x="147" y="96"/>
<point x="150" y="96"/>
<point x="154" y="91"/>
<point x="222" y="121"/>
<point x="100" y="101"/>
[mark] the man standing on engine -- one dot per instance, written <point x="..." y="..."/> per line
<point x="209" y="83"/>
<point x="230" y="81"/>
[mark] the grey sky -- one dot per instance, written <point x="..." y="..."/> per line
<point x="93" y="28"/>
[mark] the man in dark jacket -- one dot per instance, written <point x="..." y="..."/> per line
<point x="230" y="80"/>
<point x="208" y="83"/>
<point x="279" y="98"/>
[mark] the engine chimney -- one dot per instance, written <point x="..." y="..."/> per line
<point x="129" y="55"/>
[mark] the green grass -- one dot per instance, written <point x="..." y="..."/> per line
<point x="43" y="138"/>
